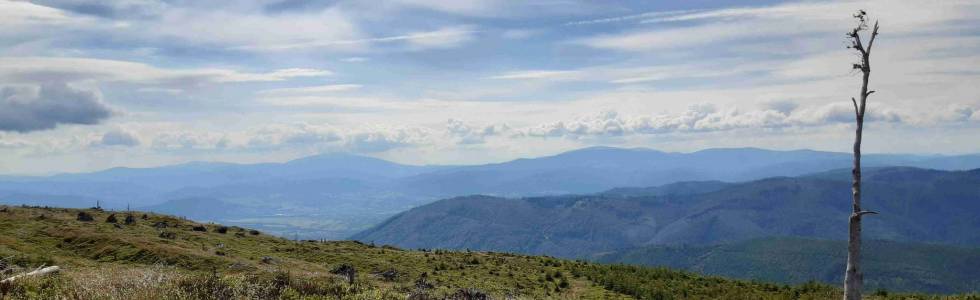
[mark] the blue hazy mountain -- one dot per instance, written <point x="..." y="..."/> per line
<point x="596" y="169"/>
<point x="915" y="205"/>
<point x="335" y="195"/>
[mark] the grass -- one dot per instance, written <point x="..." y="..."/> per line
<point x="145" y="260"/>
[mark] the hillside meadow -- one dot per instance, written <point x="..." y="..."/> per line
<point x="135" y="255"/>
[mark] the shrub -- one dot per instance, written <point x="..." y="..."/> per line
<point x="254" y="232"/>
<point x="129" y="220"/>
<point x="881" y="293"/>
<point x="222" y="229"/>
<point x="347" y="271"/>
<point x="208" y="286"/>
<point x="389" y="275"/>
<point x="168" y="235"/>
<point x="85" y="217"/>
<point x="111" y="219"/>
<point x="199" y="228"/>
<point x="469" y="294"/>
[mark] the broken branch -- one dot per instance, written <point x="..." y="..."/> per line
<point x="863" y="212"/>
<point x="38" y="272"/>
<point x="856" y="111"/>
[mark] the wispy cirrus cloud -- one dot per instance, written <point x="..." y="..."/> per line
<point x="541" y="74"/>
<point x="793" y="19"/>
<point x="20" y="14"/>
<point x="311" y="90"/>
<point x="45" y="69"/>
<point x="445" y="37"/>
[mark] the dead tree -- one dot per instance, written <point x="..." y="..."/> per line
<point x="40" y="271"/>
<point x="853" y="279"/>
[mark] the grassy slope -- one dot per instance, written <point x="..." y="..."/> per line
<point x="102" y="260"/>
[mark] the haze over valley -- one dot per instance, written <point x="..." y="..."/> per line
<point x="334" y="196"/>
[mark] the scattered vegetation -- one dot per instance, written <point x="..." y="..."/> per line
<point x="146" y="261"/>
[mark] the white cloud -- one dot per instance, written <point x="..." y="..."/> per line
<point x="8" y="142"/>
<point x="168" y="91"/>
<point x="446" y="37"/>
<point x="14" y="14"/>
<point x="783" y="21"/>
<point x="689" y="37"/>
<point x="768" y="74"/>
<point x="705" y="118"/>
<point x="187" y="140"/>
<point x="541" y="74"/>
<point x="255" y="30"/>
<point x="322" y="137"/>
<point x="632" y="74"/>
<point x="320" y="89"/>
<point x="462" y="7"/>
<point x="115" y="9"/>
<point x="355" y="59"/>
<point x="465" y="134"/>
<point x="119" y="137"/>
<point x="506" y="8"/>
<point x="46" y="69"/>
<point x="298" y="72"/>
<point x="519" y="34"/>
<point x="634" y="17"/>
<point x="279" y="135"/>
<point x="384" y="139"/>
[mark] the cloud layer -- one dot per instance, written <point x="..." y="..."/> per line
<point x="93" y="85"/>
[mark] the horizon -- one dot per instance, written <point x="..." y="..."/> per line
<point x="546" y="155"/>
<point x="91" y="87"/>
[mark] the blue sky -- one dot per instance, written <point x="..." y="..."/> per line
<point x="88" y="85"/>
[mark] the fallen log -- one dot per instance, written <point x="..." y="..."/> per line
<point x="38" y="272"/>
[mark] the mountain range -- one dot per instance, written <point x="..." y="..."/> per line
<point x="336" y="195"/>
<point x="926" y="236"/>
<point x="915" y="205"/>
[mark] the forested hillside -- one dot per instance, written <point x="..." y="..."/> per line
<point x="894" y="266"/>
<point x="915" y="205"/>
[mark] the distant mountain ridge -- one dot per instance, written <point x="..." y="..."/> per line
<point x="336" y="195"/>
<point x="916" y="205"/>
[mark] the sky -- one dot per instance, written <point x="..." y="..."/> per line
<point x="90" y="85"/>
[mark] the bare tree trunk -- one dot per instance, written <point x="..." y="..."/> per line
<point x="38" y="272"/>
<point x="853" y="279"/>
